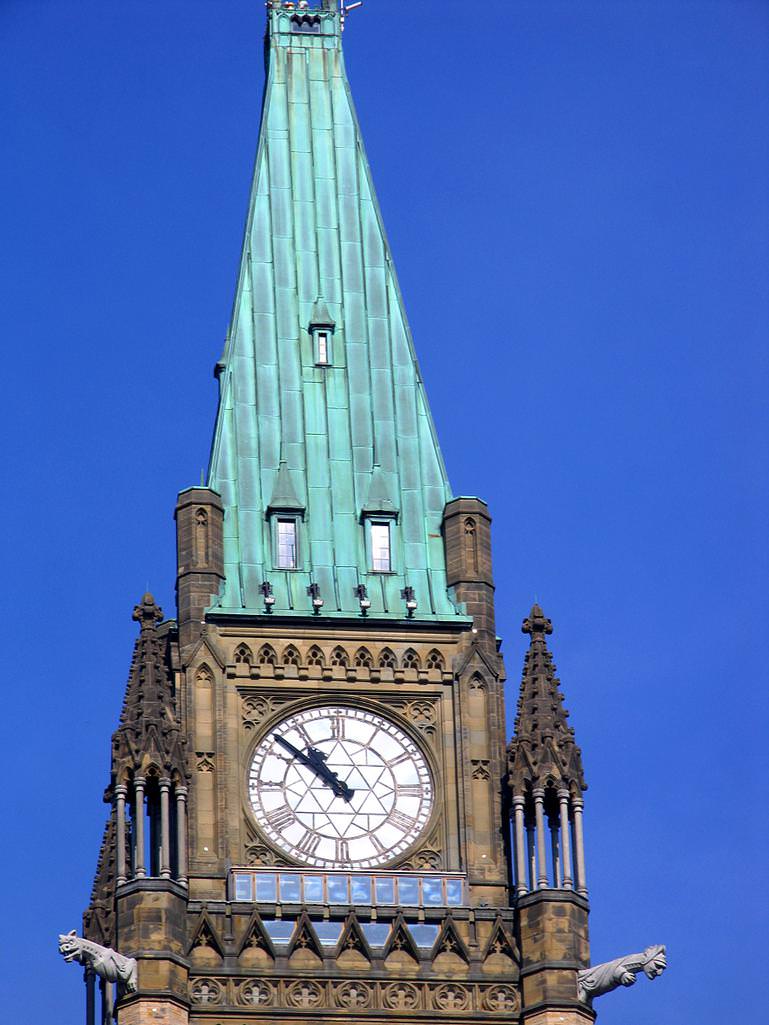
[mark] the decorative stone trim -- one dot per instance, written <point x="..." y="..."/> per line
<point x="355" y="995"/>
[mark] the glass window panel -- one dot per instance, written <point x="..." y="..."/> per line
<point x="290" y="888"/>
<point x="287" y="544"/>
<point x="338" y="890"/>
<point x="361" y="889"/>
<point x="385" y="891"/>
<point x="432" y="892"/>
<point x="279" y="930"/>
<point x="376" y="933"/>
<point x="454" y="893"/>
<point x="313" y="889"/>
<point x="328" y="932"/>
<point x="322" y="347"/>
<point x="243" y="887"/>
<point x="266" y="886"/>
<point x="381" y="561"/>
<point x="408" y="891"/>
<point x="424" y="935"/>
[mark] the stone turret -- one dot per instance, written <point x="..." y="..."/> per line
<point x="546" y="781"/>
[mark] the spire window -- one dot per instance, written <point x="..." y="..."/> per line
<point x="381" y="546"/>
<point x="323" y="348"/>
<point x="287" y="542"/>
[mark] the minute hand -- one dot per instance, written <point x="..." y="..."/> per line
<point x="315" y="761"/>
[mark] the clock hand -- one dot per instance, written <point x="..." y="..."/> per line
<point x="319" y="763"/>
<point x="316" y="761"/>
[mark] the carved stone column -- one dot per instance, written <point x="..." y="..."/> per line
<point x="181" y="834"/>
<point x="539" y="806"/>
<point x="563" y="800"/>
<point x="555" y="849"/>
<point x="532" y="853"/>
<point x="139" y="869"/>
<point x="579" y="847"/>
<point x="120" y="795"/>
<point x="90" y="997"/>
<point x="520" y="853"/>
<point x="165" y="829"/>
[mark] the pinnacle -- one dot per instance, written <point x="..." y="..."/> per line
<point x="536" y="623"/>
<point x="147" y="612"/>
<point x="543" y="749"/>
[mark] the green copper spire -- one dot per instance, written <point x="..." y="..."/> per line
<point x="323" y="429"/>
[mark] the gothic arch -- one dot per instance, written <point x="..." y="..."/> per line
<point x="266" y="656"/>
<point x="435" y="660"/>
<point x="315" y="657"/>
<point x="410" y="660"/>
<point x="244" y="655"/>
<point x="291" y="656"/>
<point x="363" y="659"/>
<point x="387" y="659"/>
<point x="339" y="657"/>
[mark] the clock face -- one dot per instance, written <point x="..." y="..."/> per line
<point x="338" y="787"/>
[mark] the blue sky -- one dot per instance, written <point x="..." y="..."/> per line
<point x="576" y="196"/>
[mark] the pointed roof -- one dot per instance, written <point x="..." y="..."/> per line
<point x="99" y="920"/>
<point x="284" y="496"/>
<point x="320" y="317"/>
<point x="148" y="735"/>
<point x="543" y="749"/>
<point x="315" y="252"/>
<point x="379" y="497"/>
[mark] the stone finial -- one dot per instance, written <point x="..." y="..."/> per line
<point x="147" y="613"/>
<point x="622" y="971"/>
<point x="536" y="623"/>
<point x="102" y="961"/>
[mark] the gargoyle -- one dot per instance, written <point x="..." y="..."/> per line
<point x="603" y="978"/>
<point x="102" y="961"/>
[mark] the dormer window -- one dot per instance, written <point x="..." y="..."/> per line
<point x="285" y="513"/>
<point x="380" y="544"/>
<point x="321" y="328"/>
<point x="322" y="348"/>
<point x="287" y="542"/>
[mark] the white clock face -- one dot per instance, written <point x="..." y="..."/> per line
<point x="338" y="787"/>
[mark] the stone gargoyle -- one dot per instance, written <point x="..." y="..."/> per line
<point x="102" y="961"/>
<point x="603" y="978"/>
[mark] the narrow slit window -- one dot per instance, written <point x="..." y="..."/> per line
<point x="323" y="348"/>
<point x="381" y="554"/>
<point x="287" y="544"/>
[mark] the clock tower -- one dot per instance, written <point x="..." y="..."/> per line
<point x="314" y="815"/>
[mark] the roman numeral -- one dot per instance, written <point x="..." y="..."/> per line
<point x="404" y="822"/>
<point x="380" y="848"/>
<point x="342" y="850"/>
<point x="309" y="842"/>
<point x="405" y="757"/>
<point x="279" y="818"/>
<point x="304" y="734"/>
<point x="337" y="728"/>
<point x="408" y="790"/>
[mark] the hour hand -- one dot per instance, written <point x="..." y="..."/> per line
<point x="316" y="761"/>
